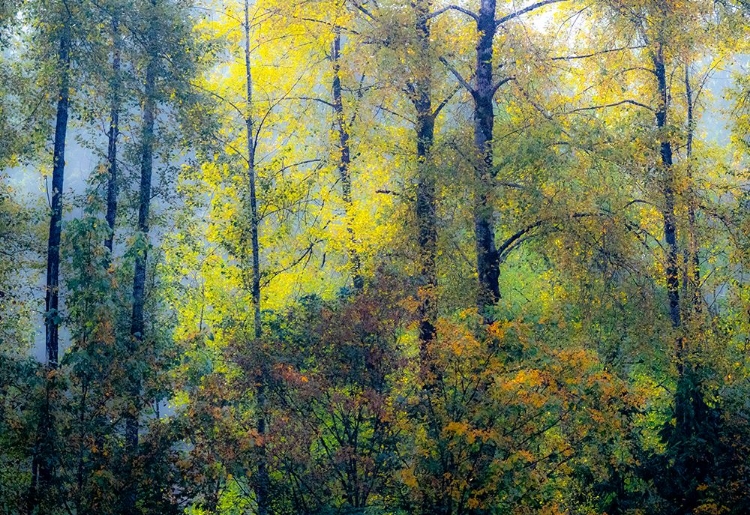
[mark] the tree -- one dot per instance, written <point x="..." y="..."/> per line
<point x="61" y="27"/>
<point x="274" y="284"/>
<point x="483" y="93"/>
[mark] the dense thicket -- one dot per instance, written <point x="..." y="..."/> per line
<point x="343" y="256"/>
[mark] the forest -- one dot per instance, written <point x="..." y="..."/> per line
<point x="374" y="257"/>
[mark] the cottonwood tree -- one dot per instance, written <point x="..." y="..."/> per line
<point x="485" y="86"/>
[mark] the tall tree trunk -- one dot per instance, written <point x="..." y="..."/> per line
<point x="137" y="326"/>
<point x="114" y="131"/>
<point x="262" y="482"/>
<point x="435" y="502"/>
<point x="43" y="452"/>
<point x="668" y="190"/>
<point x="345" y="161"/>
<point x="52" y="322"/>
<point x="690" y="408"/>
<point x="421" y="96"/>
<point x="693" y="274"/>
<point x="488" y="265"/>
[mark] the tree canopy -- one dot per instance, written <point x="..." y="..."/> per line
<point x="374" y="257"/>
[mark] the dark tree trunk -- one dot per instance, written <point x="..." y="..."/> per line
<point x="252" y="178"/>
<point x="44" y="449"/>
<point x="690" y="410"/>
<point x="345" y="162"/>
<point x="137" y="327"/>
<point x="262" y="482"/>
<point x="55" y="227"/>
<point x="668" y="212"/>
<point x="435" y="502"/>
<point x="421" y="93"/>
<point x="114" y="131"/>
<point x="488" y="265"/>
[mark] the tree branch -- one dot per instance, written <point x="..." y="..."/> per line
<point x="499" y="83"/>
<point x="394" y="113"/>
<point x="458" y="76"/>
<point x="445" y="102"/>
<point x="363" y="10"/>
<point x="525" y="10"/>
<point x="507" y="245"/>
<point x="502" y="249"/>
<point x="594" y="54"/>
<point x="307" y="253"/>
<point x="316" y="99"/>
<point x="614" y="104"/>
<point x="454" y="8"/>
<point x="219" y="97"/>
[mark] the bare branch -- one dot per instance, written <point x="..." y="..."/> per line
<point x="299" y="163"/>
<point x="330" y="24"/>
<point x="499" y="83"/>
<point x="316" y="99"/>
<point x="389" y="192"/>
<point x="525" y="10"/>
<point x="534" y="104"/>
<point x="363" y="10"/>
<point x="508" y="244"/>
<point x="307" y="253"/>
<point x="614" y="104"/>
<point x="219" y="97"/>
<point x="453" y="8"/>
<point x="458" y="76"/>
<point x="394" y="113"/>
<point x="594" y="54"/>
<point x="445" y="102"/>
<point x="502" y="249"/>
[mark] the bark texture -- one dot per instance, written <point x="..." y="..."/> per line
<point x="345" y="160"/>
<point x="668" y="190"/>
<point x="488" y="263"/>
<point x="421" y="95"/>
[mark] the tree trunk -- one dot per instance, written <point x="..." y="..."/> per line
<point x="421" y="93"/>
<point x="345" y="162"/>
<point x="488" y="265"/>
<point x="435" y="502"/>
<point x="693" y="274"/>
<point x="114" y="131"/>
<point x="55" y="227"/>
<point x="137" y="327"/>
<point x="43" y="452"/>
<point x="262" y="482"/>
<point x="668" y="212"/>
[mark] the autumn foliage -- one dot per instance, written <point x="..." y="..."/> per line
<point x="374" y="257"/>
